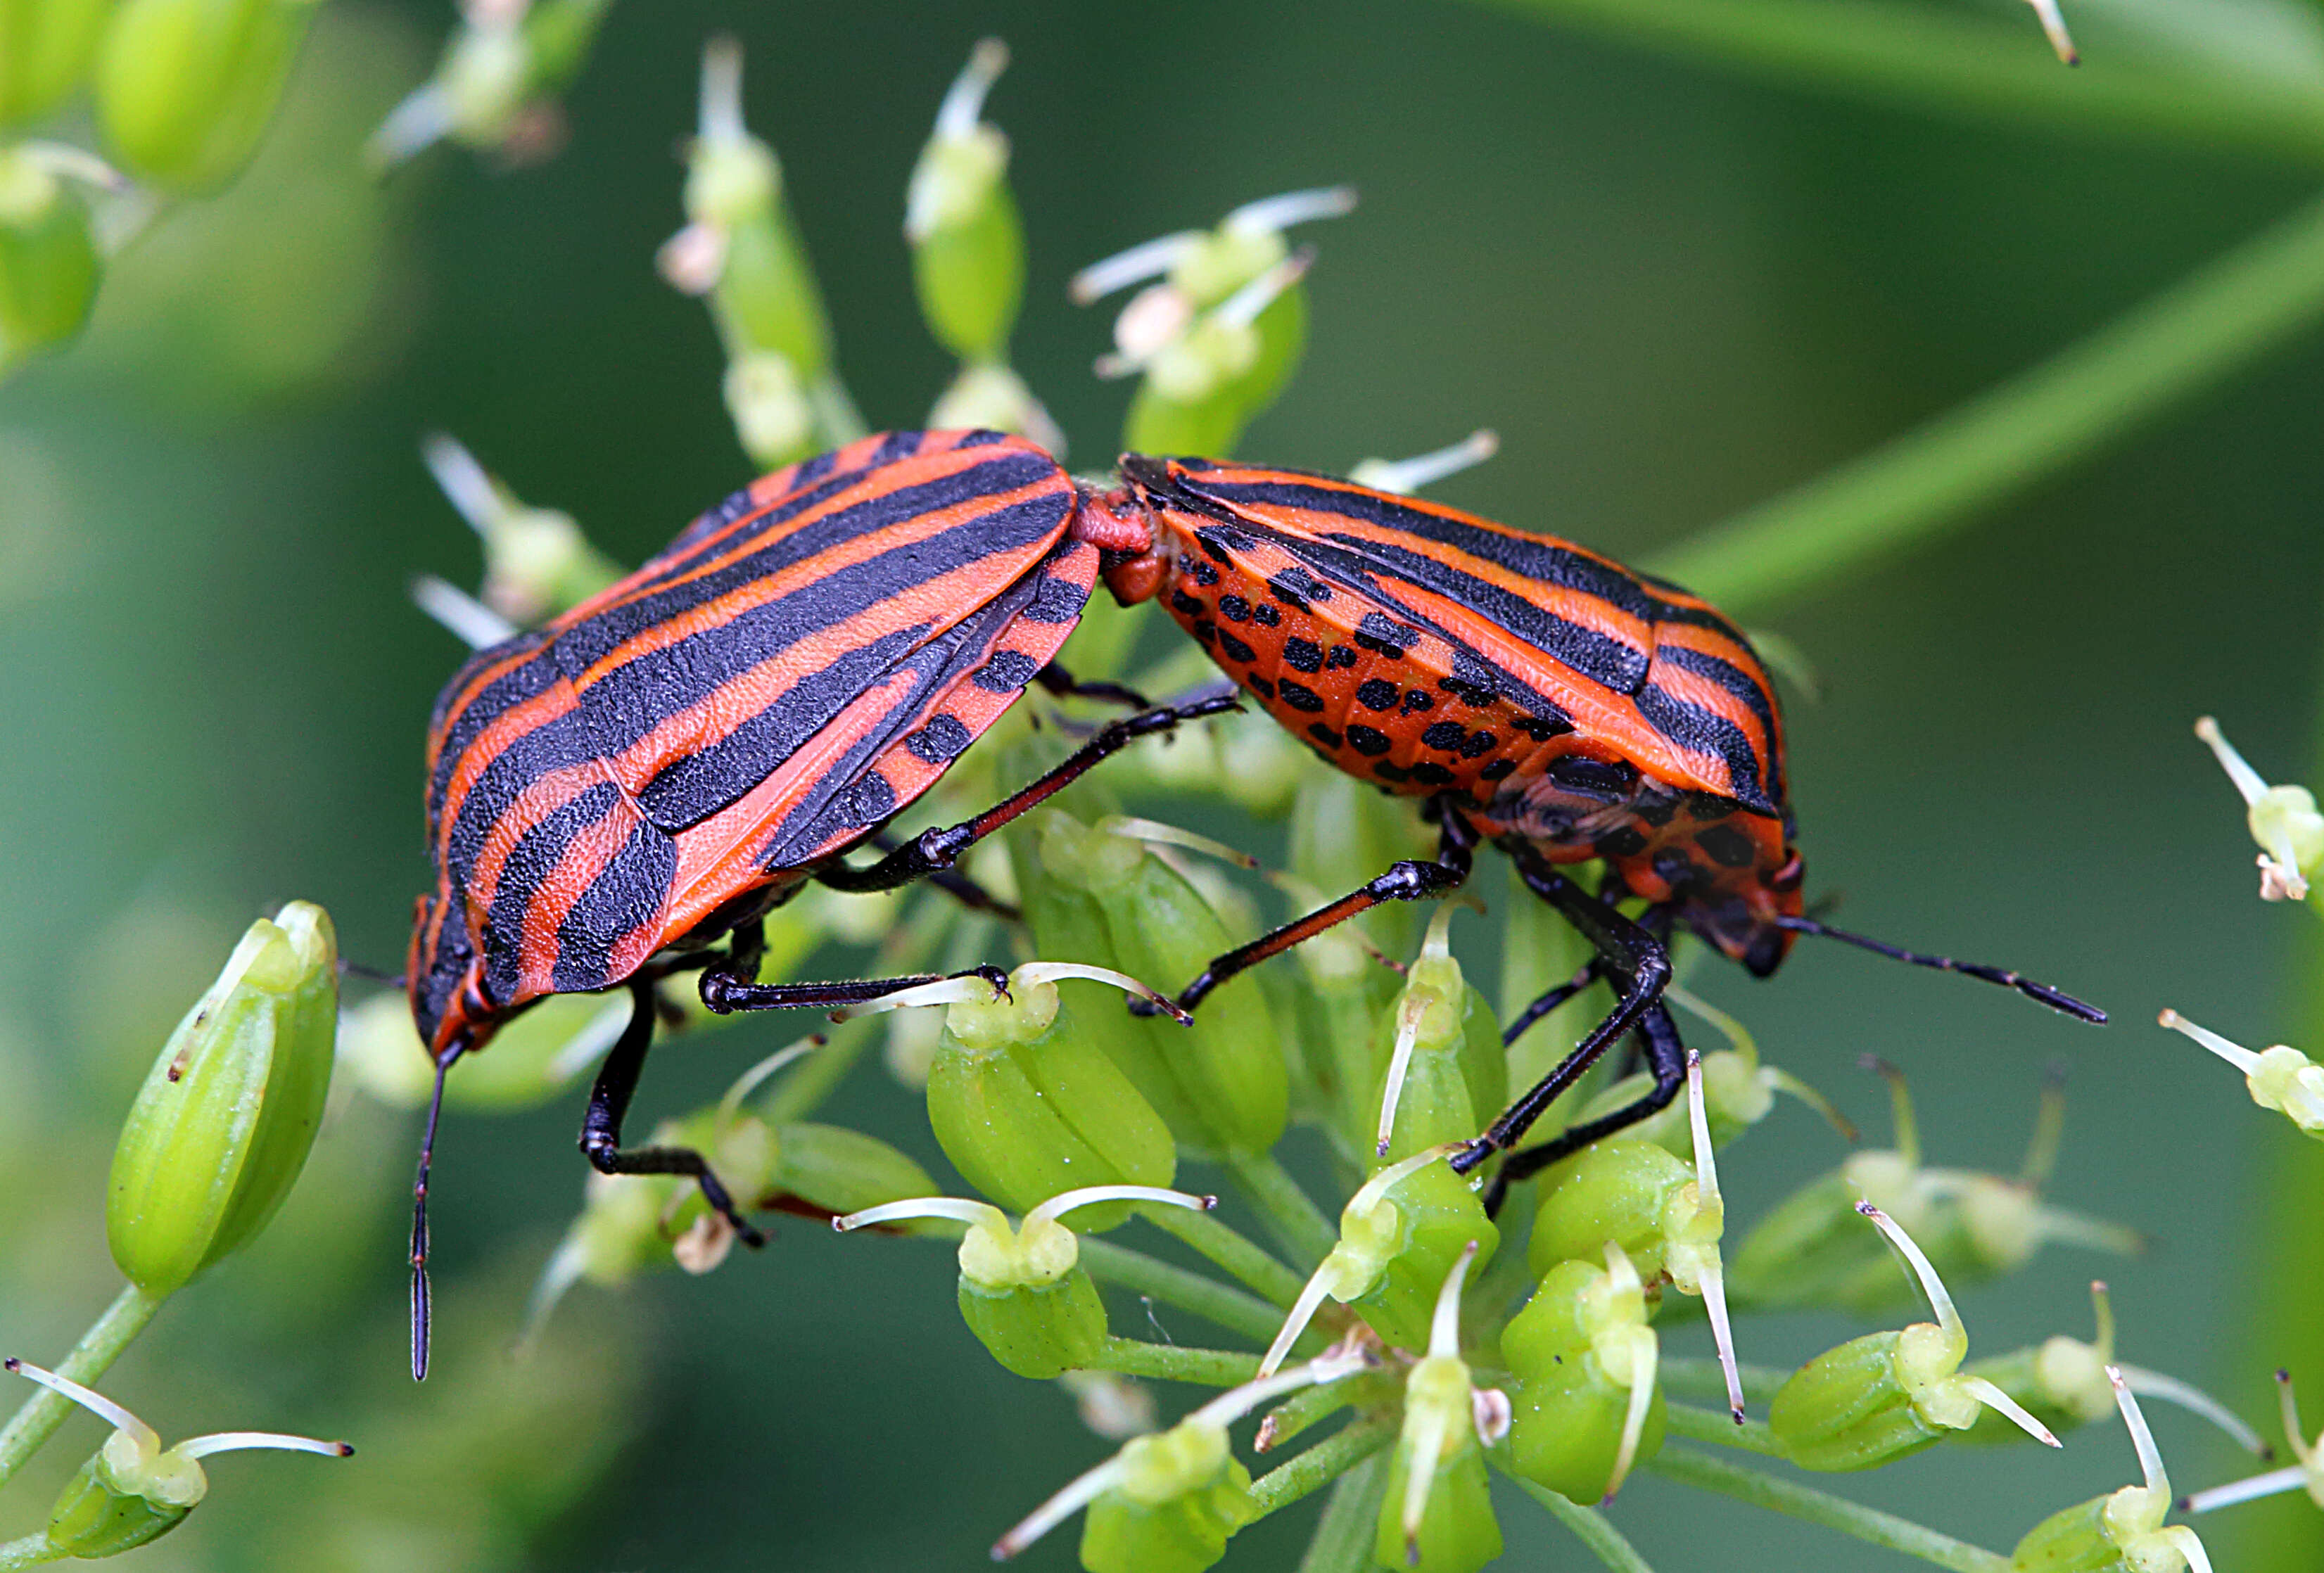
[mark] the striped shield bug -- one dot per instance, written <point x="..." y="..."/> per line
<point x="613" y="795"/>
<point x="1535" y="694"/>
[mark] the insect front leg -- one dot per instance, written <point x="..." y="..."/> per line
<point x="1665" y="1056"/>
<point x="609" y="1101"/>
<point x="1638" y="963"/>
<point x="933" y="851"/>
<point x="1409" y="881"/>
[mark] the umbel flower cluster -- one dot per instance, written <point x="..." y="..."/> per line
<point x="1398" y="1332"/>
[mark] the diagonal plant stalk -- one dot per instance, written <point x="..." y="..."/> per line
<point x="1343" y="1541"/>
<point x="1954" y="62"/>
<point x="1589" y="1526"/>
<point x="2188" y="338"/>
<point x="1321" y="1463"/>
<point x="1820" y="1507"/>
<point x="1173" y="1363"/>
<point x="1220" y="1303"/>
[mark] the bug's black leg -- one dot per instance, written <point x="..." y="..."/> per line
<point x="1591" y="970"/>
<point x="961" y="887"/>
<point x="1409" y="881"/>
<point x="1640" y="967"/>
<point x="1665" y="1055"/>
<point x="934" y="850"/>
<point x="609" y="1100"/>
<point x="724" y="993"/>
<point x="1057" y="680"/>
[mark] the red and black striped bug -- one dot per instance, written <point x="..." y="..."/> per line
<point x="1537" y="695"/>
<point x="651" y="773"/>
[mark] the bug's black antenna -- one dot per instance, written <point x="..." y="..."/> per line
<point x="421" y="1304"/>
<point x="2055" y="999"/>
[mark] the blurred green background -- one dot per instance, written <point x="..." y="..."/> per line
<point x="1673" y="290"/>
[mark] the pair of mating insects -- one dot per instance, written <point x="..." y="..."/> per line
<point x="613" y="794"/>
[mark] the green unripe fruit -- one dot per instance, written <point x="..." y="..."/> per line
<point x="1616" y="1189"/>
<point x="1040" y="1331"/>
<point x="224" y="1122"/>
<point x="1181" y="1495"/>
<point x="1026" y="1107"/>
<point x="49" y="263"/>
<point x="1458" y="1533"/>
<point x="185" y="87"/>
<point x="119" y="1501"/>
<point x="45" y="48"/>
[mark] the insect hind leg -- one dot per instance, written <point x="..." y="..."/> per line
<point x="1657" y="1036"/>
<point x="609" y="1102"/>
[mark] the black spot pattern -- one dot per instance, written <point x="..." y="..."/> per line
<point x="1444" y="734"/>
<point x="1299" y="696"/>
<point x="1302" y="654"/>
<point x="1376" y="694"/>
<point x="1367" y="740"/>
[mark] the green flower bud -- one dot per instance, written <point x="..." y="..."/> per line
<point x="1587" y="1405"/>
<point x="45" y="48"/>
<point x="131" y="1491"/>
<point x="2124" y="1531"/>
<point x="2065" y="1383"/>
<point x="2306" y="1472"/>
<point x="185" y="87"/>
<point x="1437" y="1514"/>
<point x="1026" y="1106"/>
<point x="1666" y="1218"/>
<point x="968" y="244"/>
<point x="771" y="412"/>
<point x="537" y="562"/>
<point x="495" y="87"/>
<point x="1888" y="1394"/>
<point x="1442" y="1071"/>
<point x="1020" y="1289"/>
<point x="1807" y="1252"/>
<point x="1095" y="896"/>
<point x="2280" y="1078"/>
<point x="2283" y="820"/>
<point x="1220" y="337"/>
<point x="48" y="263"/>
<point x="223" y="1124"/>
<point x="829" y="1169"/>
<point x="1169" y="1502"/>
<point x="1399" y="1235"/>
<point x="739" y="247"/>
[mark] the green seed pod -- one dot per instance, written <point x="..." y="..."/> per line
<point x="1437" y="1513"/>
<point x="772" y="414"/>
<point x="1441" y="1072"/>
<point x="2123" y="1530"/>
<point x="835" y="1169"/>
<point x="2279" y="1078"/>
<point x="1399" y="1236"/>
<point x="49" y="263"/>
<point x="1168" y="1501"/>
<point x="1587" y="1405"/>
<point x="45" y="49"/>
<point x="537" y="561"/>
<point x="1180" y="1498"/>
<point x="185" y="87"/>
<point x="131" y="1491"/>
<point x="223" y="1124"/>
<point x="1095" y="897"/>
<point x="1888" y="1394"/>
<point x="1617" y="1189"/>
<point x="968" y="244"/>
<point x="1022" y="1292"/>
<point x="1026" y="1106"/>
<point x="1220" y="337"/>
<point x="494" y="87"/>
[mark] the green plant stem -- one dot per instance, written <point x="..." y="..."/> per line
<point x="1327" y="1460"/>
<point x="2175" y="344"/>
<point x="1299" y="1225"/>
<point x="1245" y="1261"/>
<point x="1172" y="1363"/>
<point x="1691" y="1377"/>
<point x="1308" y="1406"/>
<point x="1952" y="61"/>
<point x="1217" y="1303"/>
<point x="29" y="1553"/>
<point x="1343" y="1541"/>
<point x="1820" y="1507"/>
<point x="44" y="1412"/>
<point x="838" y="422"/>
<point x="1589" y="1526"/>
<point x="1718" y="1427"/>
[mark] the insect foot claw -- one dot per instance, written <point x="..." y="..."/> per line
<point x="1472" y="1153"/>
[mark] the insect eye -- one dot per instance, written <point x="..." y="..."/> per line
<point x="1790" y="875"/>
